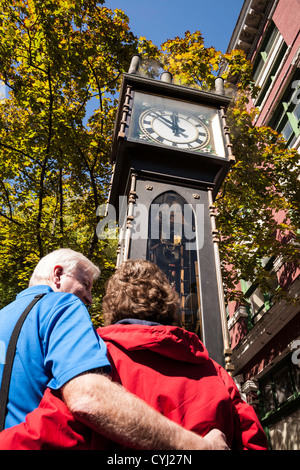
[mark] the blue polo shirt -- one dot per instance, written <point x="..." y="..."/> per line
<point x="56" y="343"/>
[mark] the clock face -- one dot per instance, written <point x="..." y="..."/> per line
<point x="177" y="124"/>
<point x="177" y="129"/>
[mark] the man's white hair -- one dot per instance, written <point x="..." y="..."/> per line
<point x="68" y="259"/>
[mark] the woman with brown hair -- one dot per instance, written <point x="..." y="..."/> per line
<point x="140" y="290"/>
<point x="167" y="366"/>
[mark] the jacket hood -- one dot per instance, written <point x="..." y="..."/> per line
<point x="170" y="341"/>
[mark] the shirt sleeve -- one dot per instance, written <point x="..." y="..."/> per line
<point x="71" y="344"/>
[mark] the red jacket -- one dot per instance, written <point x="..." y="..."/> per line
<point x="167" y="367"/>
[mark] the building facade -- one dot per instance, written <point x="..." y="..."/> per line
<point x="265" y="336"/>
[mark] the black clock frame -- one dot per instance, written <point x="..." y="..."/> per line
<point x="188" y="167"/>
<point x="142" y="168"/>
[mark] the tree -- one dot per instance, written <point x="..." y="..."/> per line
<point x="57" y="59"/>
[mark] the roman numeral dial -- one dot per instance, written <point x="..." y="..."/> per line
<point x="175" y="129"/>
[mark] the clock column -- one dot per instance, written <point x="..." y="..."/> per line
<point x="171" y="154"/>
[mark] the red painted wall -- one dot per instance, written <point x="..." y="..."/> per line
<point x="287" y="19"/>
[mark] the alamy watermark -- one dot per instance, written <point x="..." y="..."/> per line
<point x="175" y="222"/>
<point x="296" y="354"/>
<point x="296" y="95"/>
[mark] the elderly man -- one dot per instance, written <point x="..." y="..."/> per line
<point x="58" y="348"/>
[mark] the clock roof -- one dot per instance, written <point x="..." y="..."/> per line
<point x="173" y="90"/>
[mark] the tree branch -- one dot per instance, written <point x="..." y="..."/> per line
<point x="44" y="167"/>
<point x="10" y="219"/>
<point x="21" y="152"/>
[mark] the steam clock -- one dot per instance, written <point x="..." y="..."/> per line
<point x="171" y="153"/>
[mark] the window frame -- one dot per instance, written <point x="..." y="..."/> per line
<point x="285" y="111"/>
<point x="279" y="408"/>
<point x="268" y="62"/>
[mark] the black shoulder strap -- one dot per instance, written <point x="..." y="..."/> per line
<point x="10" y="354"/>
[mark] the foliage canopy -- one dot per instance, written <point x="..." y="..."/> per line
<point x="58" y="59"/>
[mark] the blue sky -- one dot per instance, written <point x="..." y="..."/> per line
<point x="160" y="20"/>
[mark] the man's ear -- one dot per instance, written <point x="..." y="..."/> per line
<point x="57" y="273"/>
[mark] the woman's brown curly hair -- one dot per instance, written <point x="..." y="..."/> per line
<point x="139" y="289"/>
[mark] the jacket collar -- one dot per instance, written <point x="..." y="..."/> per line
<point x="136" y="321"/>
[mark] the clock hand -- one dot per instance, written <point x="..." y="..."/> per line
<point x="171" y="124"/>
<point x="164" y="120"/>
<point x="175" y="127"/>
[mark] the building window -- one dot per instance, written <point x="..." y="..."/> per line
<point x="279" y="389"/>
<point x="267" y="397"/>
<point x="264" y="52"/>
<point x="286" y="119"/>
<point x="283" y="385"/>
<point x="268" y="61"/>
<point x="259" y="302"/>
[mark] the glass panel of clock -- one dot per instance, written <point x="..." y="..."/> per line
<point x="177" y="124"/>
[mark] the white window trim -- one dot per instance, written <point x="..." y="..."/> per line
<point x="266" y="69"/>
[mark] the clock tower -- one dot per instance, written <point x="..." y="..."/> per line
<point x="171" y="153"/>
